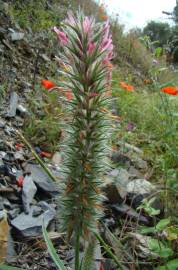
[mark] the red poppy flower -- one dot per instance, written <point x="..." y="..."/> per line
<point x="68" y="95"/>
<point x="45" y="154"/>
<point x="18" y="146"/>
<point x="47" y="84"/>
<point x="170" y="90"/>
<point x="126" y="86"/>
<point x="20" y="181"/>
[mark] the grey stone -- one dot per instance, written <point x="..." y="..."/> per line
<point x="45" y="206"/>
<point x="22" y="110"/>
<point x="56" y="159"/>
<point x="138" y="190"/>
<point x="114" y="173"/>
<point x="140" y="187"/>
<point x="120" y="181"/>
<point x="2" y="154"/>
<point x="8" y="130"/>
<point x="29" y="190"/>
<point x="124" y="209"/>
<point x="41" y="179"/>
<point x="36" y="211"/>
<point x="121" y="159"/>
<point x="6" y="203"/>
<point x="134" y="173"/>
<point x="30" y="226"/>
<point x="45" y="57"/>
<point x="19" y="155"/>
<point x="13" y="104"/>
<point x="14" y="213"/>
<point x="130" y="147"/>
<point x="1" y="204"/>
<point x="17" y="36"/>
<point x="138" y="162"/>
<point x="2" y="123"/>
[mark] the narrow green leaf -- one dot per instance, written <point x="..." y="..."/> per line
<point x="6" y="267"/>
<point x="52" y="251"/>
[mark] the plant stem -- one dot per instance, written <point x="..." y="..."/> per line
<point x="35" y="155"/>
<point x="77" y="250"/>
<point x="108" y="250"/>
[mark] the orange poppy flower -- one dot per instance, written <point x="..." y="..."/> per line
<point x="68" y="95"/>
<point x="104" y="17"/>
<point x="126" y="86"/>
<point x="110" y="66"/>
<point x="170" y="90"/>
<point x="47" y="84"/>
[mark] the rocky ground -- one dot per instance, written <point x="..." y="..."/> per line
<point x="27" y="193"/>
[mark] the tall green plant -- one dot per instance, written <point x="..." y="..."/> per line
<point x="86" y="53"/>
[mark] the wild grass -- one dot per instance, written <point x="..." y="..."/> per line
<point x="43" y="127"/>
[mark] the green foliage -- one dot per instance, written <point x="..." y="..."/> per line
<point x="158" y="52"/>
<point x="171" y="265"/>
<point x="160" y="248"/>
<point x="52" y="251"/>
<point x="152" y="114"/>
<point x="6" y="267"/>
<point x="171" y="233"/>
<point x="158" y="31"/>
<point x="35" y="14"/>
<point x="175" y="12"/>
<point x="160" y="226"/>
<point x="146" y="205"/>
<point x="45" y="111"/>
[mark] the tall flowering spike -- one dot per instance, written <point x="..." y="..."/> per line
<point x="85" y="53"/>
<point x="87" y="22"/>
<point x="61" y="35"/>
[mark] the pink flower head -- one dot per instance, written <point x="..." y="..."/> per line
<point x="91" y="47"/>
<point x="87" y="25"/>
<point x="107" y="44"/>
<point x="106" y="28"/>
<point x="61" y="36"/>
<point x="70" y="20"/>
